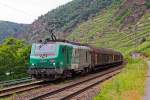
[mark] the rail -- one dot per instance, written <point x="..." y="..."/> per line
<point x="60" y="92"/>
<point x="20" y="88"/>
<point x="15" y="82"/>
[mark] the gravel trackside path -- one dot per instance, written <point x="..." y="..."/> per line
<point x="147" y="92"/>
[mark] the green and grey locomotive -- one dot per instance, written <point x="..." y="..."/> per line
<point x="55" y="59"/>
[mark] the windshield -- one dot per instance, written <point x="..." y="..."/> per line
<point x="49" y="49"/>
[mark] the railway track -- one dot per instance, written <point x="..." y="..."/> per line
<point x="6" y="92"/>
<point x="74" y="89"/>
<point x="15" y="82"/>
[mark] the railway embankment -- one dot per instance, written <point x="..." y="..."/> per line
<point x="128" y="85"/>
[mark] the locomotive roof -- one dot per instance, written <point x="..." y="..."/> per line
<point x="66" y="41"/>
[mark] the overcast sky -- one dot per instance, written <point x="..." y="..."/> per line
<point x="26" y="11"/>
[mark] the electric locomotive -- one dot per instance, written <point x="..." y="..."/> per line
<point x="58" y="58"/>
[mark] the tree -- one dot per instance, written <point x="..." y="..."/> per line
<point x="14" y="56"/>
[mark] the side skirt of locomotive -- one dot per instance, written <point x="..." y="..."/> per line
<point x="45" y="74"/>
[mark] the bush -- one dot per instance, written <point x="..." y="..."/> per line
<point x="14" y="56"/>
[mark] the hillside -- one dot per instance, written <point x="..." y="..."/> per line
<point x="8" y="29"/>
<point x="63" y="19"/>
<point x="66" y="17"/>
<point x="121" y="26"/>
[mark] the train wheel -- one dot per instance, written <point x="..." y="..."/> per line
<point x="86" y="70"/>
<point x="67" y="74"/>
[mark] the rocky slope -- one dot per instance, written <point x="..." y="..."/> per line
<point x="65" y="18"/>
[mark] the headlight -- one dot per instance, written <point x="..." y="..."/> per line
<point x="54" y="64"/>
<point x="61" y="63"/>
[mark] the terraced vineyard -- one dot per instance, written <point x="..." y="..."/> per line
<point x="105" y="31"/>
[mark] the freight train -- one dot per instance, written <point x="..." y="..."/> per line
<point x="61" y="58"/>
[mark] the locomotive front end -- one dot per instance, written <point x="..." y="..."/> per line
<point x="44" y="61"/>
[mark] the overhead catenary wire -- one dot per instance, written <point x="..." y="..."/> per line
<point x="15" y="9"/>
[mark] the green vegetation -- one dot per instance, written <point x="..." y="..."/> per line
<point x="99" y="30"/>
<point x="14" y="55"/>
<point x="148" y="4"/>
<point x="122" y="17"/>
<point x="104" y="31"/>
<point x="75" y="12"/>
<point x="144" y="48"/>
<point x="8" y="29"/>
<point x="104" y="23"/>
<point x="67" y="17"/>
<point x="112" y="29"/>
<point x="128" y="85"/>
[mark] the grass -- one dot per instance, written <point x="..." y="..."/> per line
<point x="129" y="85"/>
<point x="103" y="31"/>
